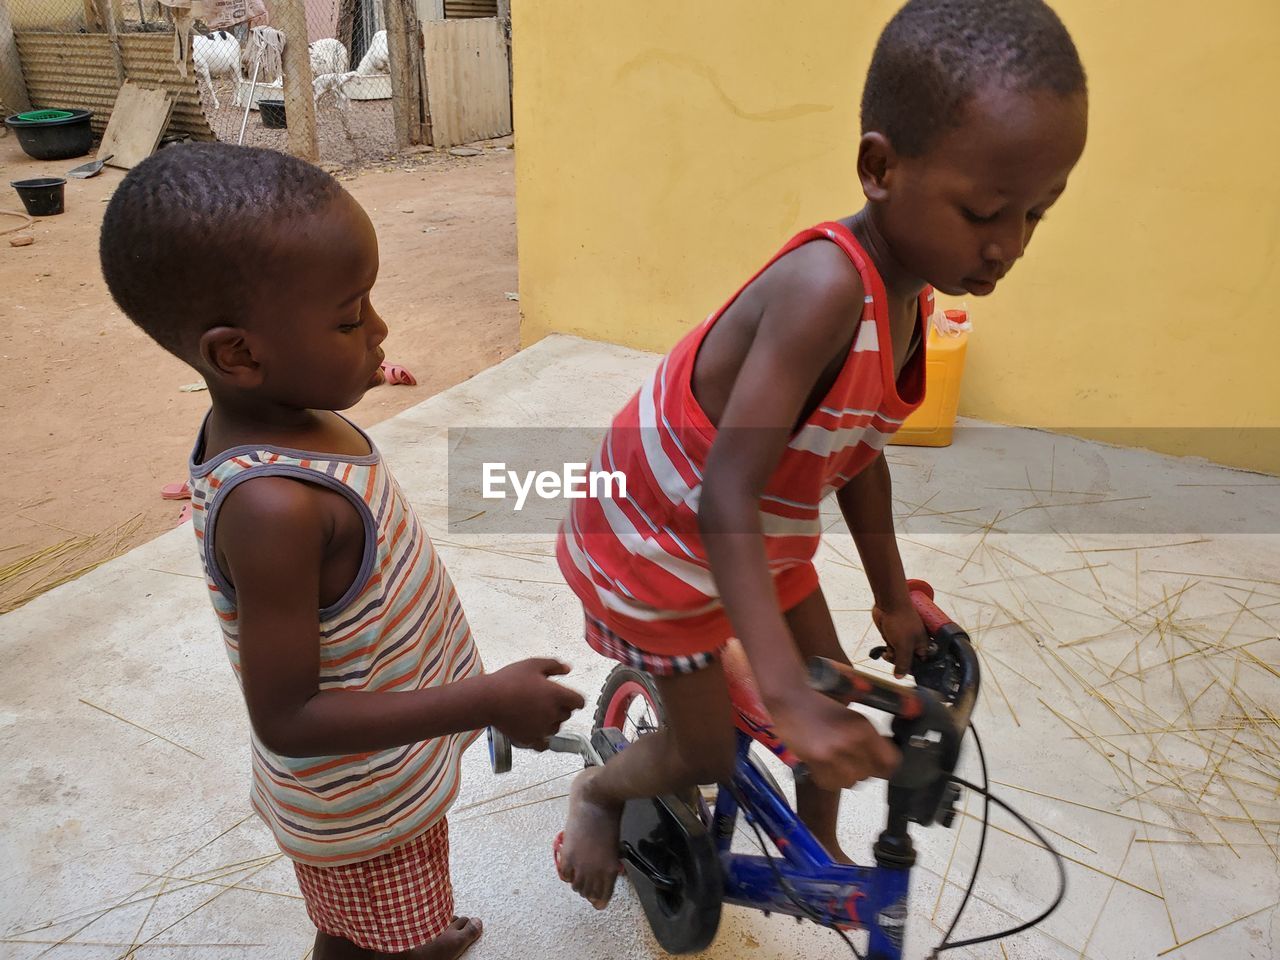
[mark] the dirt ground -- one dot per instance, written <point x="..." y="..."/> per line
<point x="85" y="398"/>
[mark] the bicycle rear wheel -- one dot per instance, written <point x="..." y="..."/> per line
<point x="667" y="850"/>
<point x="629" y="702"/>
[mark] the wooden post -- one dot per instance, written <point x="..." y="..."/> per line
<point x="107" y="12"/>
<point x="427" y="135"/>
<point x="504" y="21"/>
<point x="290" y="18"/>
<point x="428" y="11"/>
<point x="345" y="31"/>
<point x="408" y="74"/>
<point x="504" y="18"/>
<point x="13" y="88"/>
<point x="398" y="66"/>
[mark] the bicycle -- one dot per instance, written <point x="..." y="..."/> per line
<point x="677" y="850"/>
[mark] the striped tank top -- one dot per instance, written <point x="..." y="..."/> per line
<point x="399" y="626"/>
<point x="637" y="562"/>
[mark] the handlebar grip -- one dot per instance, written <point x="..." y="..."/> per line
<point x="922" y="599"/>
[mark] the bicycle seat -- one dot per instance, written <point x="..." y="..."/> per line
<point x="749" y="712"/>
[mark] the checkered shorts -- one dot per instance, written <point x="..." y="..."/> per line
<point x="604" y="641"/>
<point x="392" y="903"/>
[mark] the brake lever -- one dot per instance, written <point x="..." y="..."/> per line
<point x="882" y="653"/>
<point x="936" y="670"/>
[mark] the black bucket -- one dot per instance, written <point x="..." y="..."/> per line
<point x="53" y="134"/>
<point x="42" y="196"/>
<point x="272" y="113"/>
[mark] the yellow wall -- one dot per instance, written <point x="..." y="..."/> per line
<point x="665" y="148"/>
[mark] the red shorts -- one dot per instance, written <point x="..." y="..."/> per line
<point x="392" y="903"/>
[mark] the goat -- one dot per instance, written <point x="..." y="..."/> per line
<point x="374" y="63"/>
<point x="329" y="65"/>
<point x="328" y="56"/>
<point x="375" y="59"/>
<point x="217" y="55"/>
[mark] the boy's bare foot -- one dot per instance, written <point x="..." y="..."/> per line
<point x="453" y="943"/>
<point x="588" y="859"/>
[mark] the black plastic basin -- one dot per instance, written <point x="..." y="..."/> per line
<point x="272" y="112"/>
<point x="42" y="196"/>
<point x="57" y="139"/>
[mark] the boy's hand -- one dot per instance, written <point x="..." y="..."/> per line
<point x="904" y="633"/>
<point x="528" y="706"/>
<point x="838" y="746"/>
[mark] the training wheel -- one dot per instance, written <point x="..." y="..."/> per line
<point x="499" y="751"/>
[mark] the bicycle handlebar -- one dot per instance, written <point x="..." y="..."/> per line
<point x="950" y="669"/>
<point x="930" y="719"/>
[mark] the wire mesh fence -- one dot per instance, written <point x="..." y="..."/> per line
<point x="242" y="85"/>
<point x="233" y="70"/>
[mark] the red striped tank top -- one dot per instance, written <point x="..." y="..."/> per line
<point x="637" y="561"/>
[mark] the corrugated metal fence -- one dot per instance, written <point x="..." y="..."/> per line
<point x="468" y="87"/>
<point x="79" y="70"/>
<point x="470" y="8"/>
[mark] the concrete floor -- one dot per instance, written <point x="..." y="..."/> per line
<point x="123" y="737"/>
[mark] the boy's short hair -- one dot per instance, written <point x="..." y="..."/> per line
<point x="188" y="237"/>
<point x="935" y="55"/>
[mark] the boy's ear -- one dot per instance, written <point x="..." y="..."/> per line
<point x="876" y="162"/>
<point x="228" y="356"/>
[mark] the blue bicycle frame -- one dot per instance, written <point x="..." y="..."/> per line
<point x="681" y="887"/>
<point x="834" y="894"/>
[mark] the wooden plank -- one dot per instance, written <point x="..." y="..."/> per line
<point x="468" y="83"/>
<point x="290" y="18"/>
<point x="137" y="122"/>
<point x="148" y="59"/>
